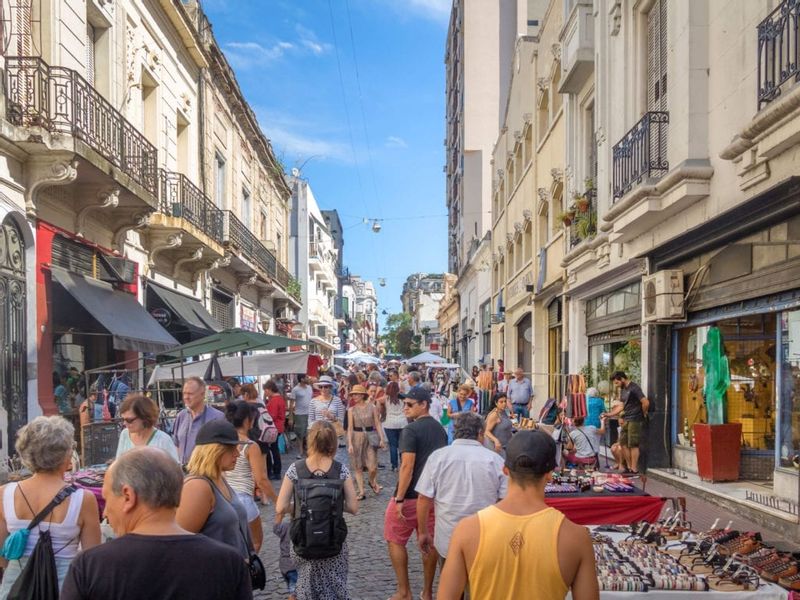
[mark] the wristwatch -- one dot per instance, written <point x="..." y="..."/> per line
<point x="399" y="500"/>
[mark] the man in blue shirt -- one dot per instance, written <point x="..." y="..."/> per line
<point x="520" y="393"/>
<point x="195" y="414"/>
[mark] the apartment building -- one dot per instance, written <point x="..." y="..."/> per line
<point x="365" y="314"/>
<point x="112" y="245"/>
<point x="684" y="117"/>
<point x="313" y="260"/>
<point x="448" y="319"/>
<point x="421" y="296"/>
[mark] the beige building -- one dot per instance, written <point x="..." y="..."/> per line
<point x="448" y="318"/>
<point x="116" y="232"/>
<point x="528" y="199"/>
<point x="690" y="110"/>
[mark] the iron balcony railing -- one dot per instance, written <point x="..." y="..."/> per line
<point x="179" y="197"/>
<point x="61" y="101"/>
<point x="641" y="153"/>
<point x="584" y="223"/>
<point x="778" y="50"/>
<point x="238" y="236"/>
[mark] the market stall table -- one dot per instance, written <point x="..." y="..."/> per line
<point x="597" y="508"/>
<point x="91" y="479"/>
<point x="766" y="590"/>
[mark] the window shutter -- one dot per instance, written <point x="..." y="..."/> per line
<point x="657" y="57"/>
<point x="90" y="53"/>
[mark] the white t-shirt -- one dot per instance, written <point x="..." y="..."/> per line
<point x="302" y="398"/>
<point x="159" y="440"/>
<point x="587" y="441"/>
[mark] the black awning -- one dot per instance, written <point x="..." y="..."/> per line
<point x="119" y="313"/>
<point x="184" y="316"/>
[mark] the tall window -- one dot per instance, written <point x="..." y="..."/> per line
<point x="150" y="108"/>
<point x="657" y="56"/>
<point x="247" y="209"/>
<point x="486" y="328"/>
<point x="262" y="227"/>
<point x="219" y="180"/>
<point x="182" y="142"/>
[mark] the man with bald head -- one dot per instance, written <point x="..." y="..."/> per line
<point x="150" y="556"/>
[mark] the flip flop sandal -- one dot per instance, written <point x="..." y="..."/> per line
<point x="361" y="497"/>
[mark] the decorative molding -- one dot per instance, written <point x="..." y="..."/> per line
<point x="138" y="221"/>
<point x="543" y="193"/>
<point x="556" y="50"/>
<point x="518" y="136"/>
<point x="173" y="240"/>
<point x="109" y="198"/>
<point x="542" y="83"/>
<point x="245" y="280"/>
<point x="557" y="175"/>
<point x="600" y="135"/>
<point x="195" y="256"/>
<point x="509" y="239"/>
<point x="44" y="174"/>
<point x="500" y="173"/>
<point x="527" y="215"/>
<point x="615" y="18"/>
<point x="528" y="118"/>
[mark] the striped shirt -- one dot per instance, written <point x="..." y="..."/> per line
<point x="241" y="477"/>
<point x="319" y="406"/>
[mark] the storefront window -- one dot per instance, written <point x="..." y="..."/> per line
<point x="618" y="350"/>
<point x="749" y="344"/>
<point x="789" y="433"/>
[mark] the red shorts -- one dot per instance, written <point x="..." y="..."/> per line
<point x="399" y="530"/>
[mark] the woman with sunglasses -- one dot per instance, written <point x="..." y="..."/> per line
<point x="326" y="406"/>
<point x="140" y="414"/>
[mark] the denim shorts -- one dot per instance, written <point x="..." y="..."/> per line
<point x="250" y="506"/>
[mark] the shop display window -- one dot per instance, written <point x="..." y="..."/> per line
<point x="750" y="345"/>
<point x="789" y="430"/>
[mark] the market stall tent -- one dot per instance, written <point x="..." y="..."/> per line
<point x="424" y="357"/>
<point x="254" y="364"/>
<point x="233" y="340"/>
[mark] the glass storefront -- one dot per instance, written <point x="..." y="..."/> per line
<point x="758" y="378"/>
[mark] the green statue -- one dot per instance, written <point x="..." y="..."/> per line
<point x="718" y="377"/>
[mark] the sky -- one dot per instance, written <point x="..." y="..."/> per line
<point x="351" y="92"/>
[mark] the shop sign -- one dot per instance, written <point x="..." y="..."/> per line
<point x="519" y="286"/>
<point x="337" y="340"/>
<point x="162" y="315"/>
<point x="434" y="347"/>
<point x="248" y="320"/>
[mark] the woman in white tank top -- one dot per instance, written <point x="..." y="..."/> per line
<point x="45" y="447"/>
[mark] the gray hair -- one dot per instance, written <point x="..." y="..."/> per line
<point x="197" y="380"/>
<point x="155" y="477"/>
<point x="468" y="426"/>
<point x="415" y="375"/>
<point x="45" y="443"/>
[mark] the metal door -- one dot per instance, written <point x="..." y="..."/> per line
<point x="13" y="351"/>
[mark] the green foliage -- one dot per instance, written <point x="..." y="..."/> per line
<point x="293" y="288"/>
<point x="629" y="359"/>
<point x="398" y="336"/>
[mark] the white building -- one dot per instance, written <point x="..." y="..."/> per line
<point x="365" y="314"/>
<point x="422" y="294"/>
<point x="313" y="259"/>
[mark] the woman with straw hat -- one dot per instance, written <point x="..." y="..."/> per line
<point x="364" y="437"/>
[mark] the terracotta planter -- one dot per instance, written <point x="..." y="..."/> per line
<point x="718" y="448"/>
<point x="582" y="204"/>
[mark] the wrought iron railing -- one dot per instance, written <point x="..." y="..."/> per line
<point x="584" y="222"/>
<point x="179" y="197"/>
<point x="238" y="236"/>
<point x="641" y="153"/>
<point x="778" y="50"/>
<point x="61" y="101"/>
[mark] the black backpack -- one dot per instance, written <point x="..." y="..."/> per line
<point x="318" y="528"/>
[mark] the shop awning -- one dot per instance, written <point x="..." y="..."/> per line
<point x="254" y="364"/>
<point x="234" y="340"/>
<point x="117" y="312"/>
<point x="176" y="311"/>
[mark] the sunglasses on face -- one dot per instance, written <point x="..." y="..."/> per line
<point x="409" y="404"/>
<point x="130" y="420"/>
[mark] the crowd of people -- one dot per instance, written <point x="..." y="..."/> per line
<point x="468" y="485"/>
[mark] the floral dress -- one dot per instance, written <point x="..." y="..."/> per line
<point x="321" y="578"/>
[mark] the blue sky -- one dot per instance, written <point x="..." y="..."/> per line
<point x="359" y="99"/>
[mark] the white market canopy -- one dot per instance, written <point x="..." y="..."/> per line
<point x="424" y="357"/>
<point x="232" y="366"/>
<point x="435" y="365"/>
<point x="358" y="357"/>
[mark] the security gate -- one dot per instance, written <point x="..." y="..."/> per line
<point x="13" y="351"/>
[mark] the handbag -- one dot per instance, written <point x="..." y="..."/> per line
<point x="258" y="575"/>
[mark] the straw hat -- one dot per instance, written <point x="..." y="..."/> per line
<point x="358" y="389"/>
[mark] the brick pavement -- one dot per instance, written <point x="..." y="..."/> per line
<point x="371" y="576"/>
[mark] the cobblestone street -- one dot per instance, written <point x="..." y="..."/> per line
<point x="371" y="575"/>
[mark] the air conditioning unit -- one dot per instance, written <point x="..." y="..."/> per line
<point x="285" y="314"/>
<point x="663" y="298"/>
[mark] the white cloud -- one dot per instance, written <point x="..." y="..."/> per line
<point x="396" y="142"/>
<point x="438" y="10"/>
<point x="309" y="40"/>
<point x="293" y="138"/>
<point x="246" y="54"/>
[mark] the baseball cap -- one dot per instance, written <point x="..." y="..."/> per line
<point x="418" y="393"/>
<point x="531" y="452"/>
<point x="218" y="431"/>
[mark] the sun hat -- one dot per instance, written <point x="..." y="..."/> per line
<point x="531" y="452"/>
<point x="323" y="381"/>
<point x="218" y="431"/>
<point x="358" y="389"/>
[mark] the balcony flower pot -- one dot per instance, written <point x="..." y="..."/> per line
<point x="567" y="217"/>
<point x="717" y="449"/>
<point x="582" y="204"/>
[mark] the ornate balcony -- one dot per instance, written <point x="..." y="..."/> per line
<point x="180" y="198"/>
<point x="238" y="238"/>
<point x="641" y="153"/>
<point x="59" y="100"/>
<point x="778" y="50"/>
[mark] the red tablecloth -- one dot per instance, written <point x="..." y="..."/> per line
<point x="602" y="510"/>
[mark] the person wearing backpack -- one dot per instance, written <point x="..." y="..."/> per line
<point x="276" y="406"/>
<point x="322" y="490"/>
<point x="63" y="518"/>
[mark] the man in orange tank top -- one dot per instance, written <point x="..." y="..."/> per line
<point x="520" y="547"/>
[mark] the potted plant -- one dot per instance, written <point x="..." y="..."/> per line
<point x="567" y="217"/>
<point x="717" y="443"/>
<point x="586" y="225"/>
<point x="581" y="202"/>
